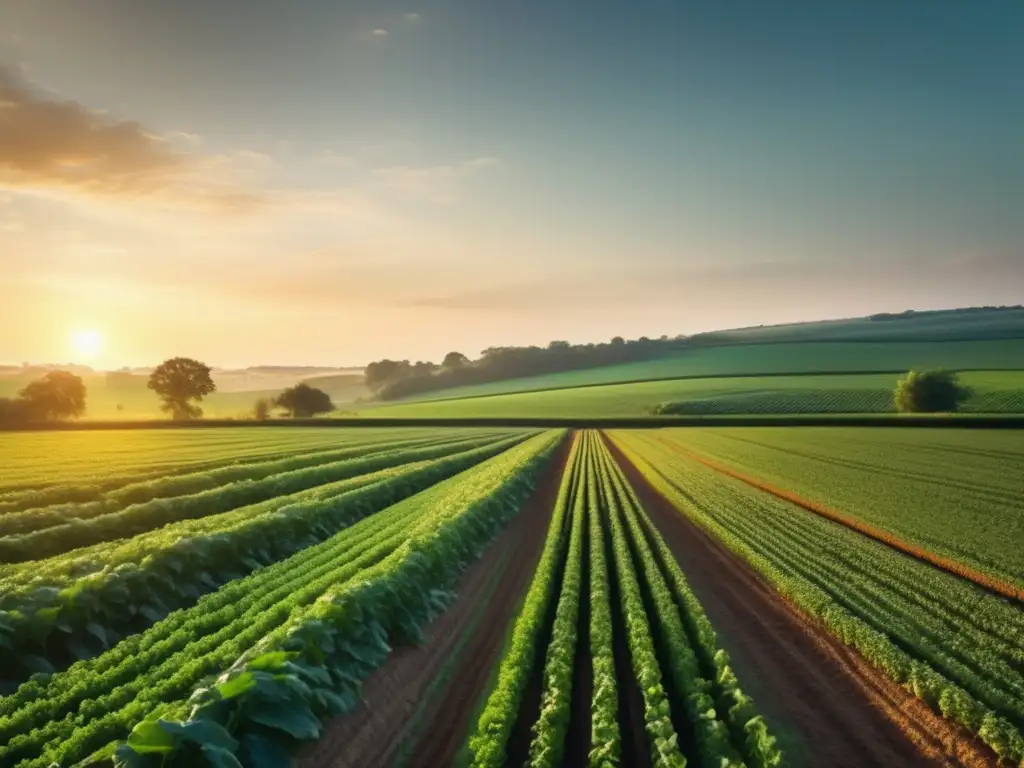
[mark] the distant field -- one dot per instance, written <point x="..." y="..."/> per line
<point x="994" y="392"/>
<point x="747" y="359"/>
<point x="940" y="326"/>
<point x="236" y="398"/>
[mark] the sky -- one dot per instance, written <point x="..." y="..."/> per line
<point x="327" y="182"/>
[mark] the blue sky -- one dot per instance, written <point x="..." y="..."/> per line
<point x="332" y="182"/>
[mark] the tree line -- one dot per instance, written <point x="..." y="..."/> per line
<point x="394" y="379"/>
<point x="180" y="383"/>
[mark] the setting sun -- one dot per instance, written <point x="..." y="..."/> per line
<point x="86" y="343"/>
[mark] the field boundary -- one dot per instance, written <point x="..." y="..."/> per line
<point x="953" y="567"/>
<point x="963" y="420"/>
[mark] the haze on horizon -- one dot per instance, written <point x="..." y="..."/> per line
<point x="328" y="183"/>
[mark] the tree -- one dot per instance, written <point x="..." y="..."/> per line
<point x="929" y="392"/>
<point x="58" y="395"/>
<point x="261" y="408"/>
<point x="454" y="360"/>
<point x="382" y="372"/>
<point x="302" y="401"/>
<point x="178" y="381"/>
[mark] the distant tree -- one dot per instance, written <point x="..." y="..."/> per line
<point x="177" y="382"/>
<point x="303" y="400"/>
<point x="58" y="395"/>
<point x="454" y="360"/>
<point x="261" y="408"/>
<point x="383" y="372"/>
<point x="929" y="392"/>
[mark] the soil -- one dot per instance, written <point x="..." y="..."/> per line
<point x="393" y="695"/>
<point x="826" y="703"/>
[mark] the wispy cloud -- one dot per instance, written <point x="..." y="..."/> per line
<point x="412" y="17"/>
<point x="380" y="32"/>
<point x="439" y="183"/>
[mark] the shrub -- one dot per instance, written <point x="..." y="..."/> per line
<point x="933" y="391"/>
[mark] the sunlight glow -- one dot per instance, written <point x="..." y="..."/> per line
<point x="86" y="343"/>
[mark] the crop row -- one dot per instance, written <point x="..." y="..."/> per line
<point x="954" y="492"/>
<point x="55" y="467"/>
<point x="637" y="596"/>
<point x="139" y="518"/>
<point x="63" y="615"/>
<point x="39" y="517"/>
<point x="952" y="644"/>
<point x="309" y="666"/>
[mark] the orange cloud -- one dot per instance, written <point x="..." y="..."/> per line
<point x="63" y="147"/>
<point x="53" y="143"/>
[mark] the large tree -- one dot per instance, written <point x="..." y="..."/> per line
<point x="302" y="401"/>
<point x="58" y="395"/>
<point x="929" y="392"/>
<point x="178" y="382"/>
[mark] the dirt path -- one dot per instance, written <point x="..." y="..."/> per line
<point x="983" y="580"/>
<point x="827" y="704"/>
<point x="394" y="707"/>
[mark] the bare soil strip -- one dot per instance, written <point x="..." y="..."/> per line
<point x="392" y="695"/>
<point x="830" y="705"/>
<point x="983" y="580"/>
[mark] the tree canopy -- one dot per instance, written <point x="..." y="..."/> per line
<point x="393" y="379"/>
<point x="303" y="401"/>
<point x="933" y="391"/>
<point x="179" y="381"/>
<point x="57" y="395"/>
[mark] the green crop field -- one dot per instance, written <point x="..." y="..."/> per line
<point x="490" y="597"/>
<point x="955" y="645"/>
<point x="956" y="492"/>
<point x="751" y="359"/>
<point x="993" y="391"/>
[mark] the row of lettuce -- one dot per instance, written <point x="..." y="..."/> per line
<point x="252" y="668"/>
<point x="949" y="642"/>
<point x="79" y="603"/>
<point x="606" y="578"/>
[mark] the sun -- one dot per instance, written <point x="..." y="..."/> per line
<point x="87" y="342"/>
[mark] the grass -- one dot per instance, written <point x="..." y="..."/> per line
<point x="995" y="391"/>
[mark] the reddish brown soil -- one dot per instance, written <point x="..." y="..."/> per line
<point x="983" y="580"/>
<point x="393" y="694"/>
<point x="832" y="706"/>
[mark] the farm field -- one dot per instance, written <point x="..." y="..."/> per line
<point x="957" y="493"/>
<point x="993" y="392"/>
<point x="955" y="644"/>
<point x="765" y="359"/>
<point x="487" y="597"/>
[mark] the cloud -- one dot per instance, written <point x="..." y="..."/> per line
<point x="412" y="18"/>
<point x="380" y="32"/>
<point x="64" y="149"/>
<point x="438" y="183"/>
<point x="51" y="143"/>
